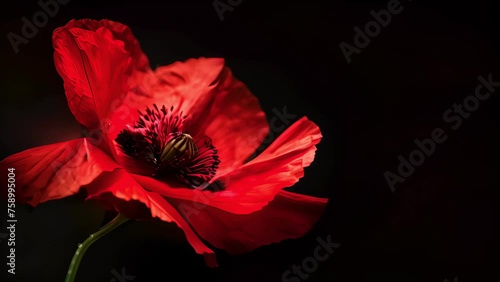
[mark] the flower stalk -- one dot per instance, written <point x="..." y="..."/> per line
<point x="82" y="248"/>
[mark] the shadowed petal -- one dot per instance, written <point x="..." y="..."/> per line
<point x="288" y="216"/>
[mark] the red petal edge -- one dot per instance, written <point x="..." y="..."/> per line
<point x="288" y="216"/>
<point x="57" y="170"/>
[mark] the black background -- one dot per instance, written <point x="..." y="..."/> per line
<point x="439" y="224"/>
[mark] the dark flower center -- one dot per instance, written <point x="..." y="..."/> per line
<point x="159" y="140"/>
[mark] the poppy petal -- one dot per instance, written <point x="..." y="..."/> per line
<point x="120" y="191"/>
<point x="95" y="60"/>
<point x="57" y="170"/>
<point x="181" y="85"/>
<point x="288" y="216"/>
<point x="234" y="120"/>
<point x="186" y="84"/>
<point x="251" y="186"/>
<point x="123" y="33"/>
<point x="120" y="32"/>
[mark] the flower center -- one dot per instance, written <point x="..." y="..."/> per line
<point x="179" y="150"/>
<point x="160" y="142"/>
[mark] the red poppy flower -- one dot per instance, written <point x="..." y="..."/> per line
<point x="170" y="143"/>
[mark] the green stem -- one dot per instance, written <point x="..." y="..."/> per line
<point x="82" y="248"/>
